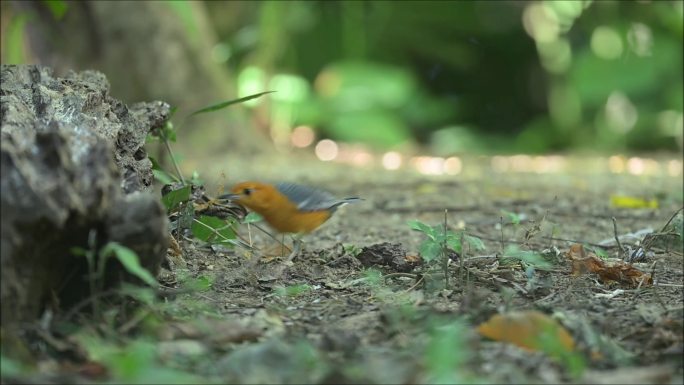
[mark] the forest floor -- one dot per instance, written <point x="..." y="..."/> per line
<point x="360" y="305"/>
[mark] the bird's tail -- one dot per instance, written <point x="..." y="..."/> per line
<point x="344" y="201"/>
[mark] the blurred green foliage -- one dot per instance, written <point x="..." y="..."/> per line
<point x="461" y="76"/>
<point x="465" y="76"/>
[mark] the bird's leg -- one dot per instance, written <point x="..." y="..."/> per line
<point x="296" y="248"/>
<point x="282" y="246"/>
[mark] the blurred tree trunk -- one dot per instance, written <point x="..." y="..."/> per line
<point x="149" y="50"/>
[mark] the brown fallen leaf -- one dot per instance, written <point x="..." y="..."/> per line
<point x="584" y="262"/>
<point x="526" y="329"/>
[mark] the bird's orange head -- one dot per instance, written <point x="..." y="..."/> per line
<point x="256" y="196"/>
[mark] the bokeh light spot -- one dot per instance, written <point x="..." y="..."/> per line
<point x="251" y="81"/>
<point x="453" y="165"/>
<point x="606" y="43"/>
<point x="640" y="39"/>
<point x="302" y="136"/>
<point x="616" y="164"/>
<point x="621" y="115"/>
<point x="220" y="53"/>
<point x="391" y="160"/>
<point x="291" y="88"/>
<point x="636" y="166"/>
<point x="326" y="150"/>
<point x="674" y="167"/>
<point x="541" y="23"/>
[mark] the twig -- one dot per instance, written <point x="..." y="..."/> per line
<point x="83" y="303"/>
<point x="422" y="278"/>
<point x="224" y="238"/>
<point x="405" y="275"/>
<point x="621" y="252"/>
<point x="646" y="245"/>
<point x="173" y="158"/>
<point x="671" y="218"/>
<point x="131" y="323"/>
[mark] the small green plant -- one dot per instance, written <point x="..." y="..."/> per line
<point x="513" y="254"/>
<point x="530" y="261"/>
<point x="97" y="261"/>
<point x="512" y="217"/>
<point x="437" y="237"/>
<point x="135" y="362"/>
<point x="292" y="291"/>
<point x="371" y="277"/>
<point x="550" y="342"/>
<point x="446" y="354"/>
<point x="188" y="283"/>
<point x="214" y="230"/>
<point x="440" y="241"/>
<point x="598" y="251"/>
<point x="352" y="249"/>
<point x="252" y="217"/>
<point x="11" y="368"/>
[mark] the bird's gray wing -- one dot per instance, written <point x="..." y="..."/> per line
<point x="307" y="198"/>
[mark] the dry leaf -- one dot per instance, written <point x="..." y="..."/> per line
<point x="583" y="262"/>
<point x="630" y="202"/>
<point x="525" y="329"/>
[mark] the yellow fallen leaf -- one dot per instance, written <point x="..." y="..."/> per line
<point x="527" y="329"/>
<point x="629" y="202"/>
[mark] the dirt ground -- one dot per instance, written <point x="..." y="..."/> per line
<point x="343" y="311"/>
<point x="358" y="305"/>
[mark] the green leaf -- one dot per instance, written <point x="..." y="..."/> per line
<point x="130" y="261"/>
<point x="225" y="104"/>
<point x="79" y="251"/>
<point x="598" y="251"/>
<point x="172" y="111"/>
<point x="429" y="250"/>
<point x="169" y="131"/>
<point x="252" y="218"/>
<point x="445" y="353"/>
<point x="513" y="253"/>
<point x="163" y="177"/>
<point x="174" y="198"/>
<point x="10" y="367"/>
<point x="201" y="283"/>
<point x="292" y="291"/>
<point x="212" y="230"/>
<point x="160" y="174"/>
<point x="57" y="7"/>
<point x="13" y="40"/>
<point x="195" y="179"/>
<point x="512" y="217"/>
<point x="141" y="294"/>
<point x="372" y="277"/>
<point x="475" y="242"/>
<point x="422" y="227"/>
<point x="454" y="243"/>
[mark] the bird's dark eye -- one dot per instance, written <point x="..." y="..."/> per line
<point x="247" y="191"/>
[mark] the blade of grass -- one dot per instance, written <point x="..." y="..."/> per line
<point x="225" y="104"/>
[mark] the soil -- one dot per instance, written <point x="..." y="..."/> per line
<point x="362" y="326"/>
<point x="360" y="305"/>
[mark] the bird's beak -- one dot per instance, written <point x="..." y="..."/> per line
<point x="229" y="197"/>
